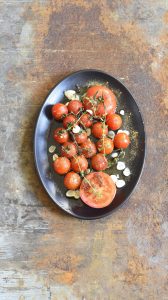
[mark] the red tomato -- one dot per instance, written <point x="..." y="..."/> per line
<point x="62" y="165"/>
<point x="79" y="163"/>
<point x="105" y="145"/>
<point x="69" y="120"/>
<point x="86" y="120"/>
<point x="98" y="190"/>
<point x="99" y="162"/>
<point x="58" y="110"/>
<point x="68" y="149"/>
<point x="100" y="108"/>
<point x="88" y="148"/>
<point x="99" y="130"/>
<point x="121" y="140"/>
<point x="113" y="121"/>
<point x="74" y="106"/>
<point x="61" y="135"/>
<point x="80" y="137"/>
<point x="72" y="181"/>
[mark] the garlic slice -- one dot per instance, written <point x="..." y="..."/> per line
<point x="126" y="172"/>
<point x="71" y="95"/>
<point x="120" y="165"/>
<point x="76" y="129"/>
<point x="52" y="149"/>
<point x="120" y="183"/>
<point x="70" y="193"/>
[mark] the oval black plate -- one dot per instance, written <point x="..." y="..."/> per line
<point x="135" y="155"/>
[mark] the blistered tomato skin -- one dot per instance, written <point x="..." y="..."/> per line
<point x="108" y="105"/>
<point x="59" y="110"/>
<point x="75" y="106"/>
<point x="105" y="145"/>
<point x="80" y="137"/>
<point x="69" y="120"/>
<point x="114" y="121"/>
<point x="61" y="135"/>
<point x="99" y="162"/>
<point x="121" y="140"/>
<point x="62" y="165"/>
<point x="97" y="190"/>
<point x="99" y="130"/>
<point x="72" y="181"/>
<point x="79" y="163"/>
<point x="68" y="149"/>
<point x="88" y="148"/>
<point x="86" y="120"/>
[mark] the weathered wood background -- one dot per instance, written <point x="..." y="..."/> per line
<point x="45" y="254"/>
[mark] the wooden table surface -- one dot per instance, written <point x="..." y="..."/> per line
<point x="44" y="253"/>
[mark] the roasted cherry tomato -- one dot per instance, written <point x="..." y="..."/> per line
<point x="61" y="135"/>
<point x="98" y="190"/>
<point x="99" y="162"/>
<point x="113" y="121"/>
<point x="74" y="106"/>
<point x="62" y="165"/>
<point x="80" y="137"/>
<point x="79" y="163"/>
<point x="99" y="130"/>
<point x="86" y="120"/>
<point x="72" y="181"/>
<point x="68" y="149"/>
<point x="121" y="140"/>
<point x="59" y="110"/>
<point x="69" y="120"/>
<point x="105" y="145"/>
<point x="88" y="148"/>
<point x="100" y="100"/>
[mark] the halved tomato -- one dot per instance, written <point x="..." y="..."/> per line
<point x="100" y="106"/>
<point x="97" y="190"/>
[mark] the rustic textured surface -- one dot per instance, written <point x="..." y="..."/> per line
<point x="45" y="254"/>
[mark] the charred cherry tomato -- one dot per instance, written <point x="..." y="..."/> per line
<point x="74" y="106"/>
<point x="59" y="110"/>
<point x="80" y="137"/>
<point x="99" y="162"/>
<point x="72" y="181"/>
<point x="99" y="130"/>
<point x="105" y="145"/>
<point x="69" y="120"/>
<point x="62" y="165"/>
<point x="88" y="148"/>
<point x="121" y="140"/>
<point x="61" y="135"/>
<point x="68" y="149"/>
<point x="79" y="163"/>
<point x="97" y="190"/>
<point x="86" y="120"/>
<point x="113" y="121"/>
<point x="100" y="99"/>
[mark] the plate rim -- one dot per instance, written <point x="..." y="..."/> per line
<point x="34" y="146"/>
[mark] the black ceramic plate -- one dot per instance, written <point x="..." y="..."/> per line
<point x="134" y="159"/>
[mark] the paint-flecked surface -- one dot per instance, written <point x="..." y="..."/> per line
<point x="45" y="254"/>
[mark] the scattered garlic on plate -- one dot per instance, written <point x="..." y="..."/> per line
<point x="76" y="194"/>
<point x="88" y="131"/>
<point x="126" y="172"/>
<point x="120" y="165"/>
<point x="122" y="112"/>
<point x="55" y="156"/>
<point x="115" y="154"/>
<point x="123" y="131"/>
<point x="120" y="183"/>
<point x="114" y="178"/>
<point x="52" y="149"/>
<point x="71" y="95"/>
<point x="70" y="193"/>
<point x="111" y="134"/>
<point x="90" y="111"/>
<point x="87" y="171"/>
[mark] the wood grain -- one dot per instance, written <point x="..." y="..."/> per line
<point x="45" y="254"/>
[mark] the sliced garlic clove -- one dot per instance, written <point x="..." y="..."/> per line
<point x="76" y="129"/>
<point x="111" y="134"/>
<point x="123" y="131"/>
<point x="52" y="149"/>
<point x="120" y="165"/>
<point x="122" y="112"/>
<point x="87" y="171"/>
<point x="120" y="183"/>
<point x="90" y="111"/>
<point x="76" y="194"/>
<point x="126" y="172"/>
<point x="70" y="193"/>
<point x="114" y="155"/>
<point x="66" y="103"/>
<point x="55" y="156"/>
<point x="114" y="178"/>
<point x="88" y="131"/>
<point x="70" y="94"/>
